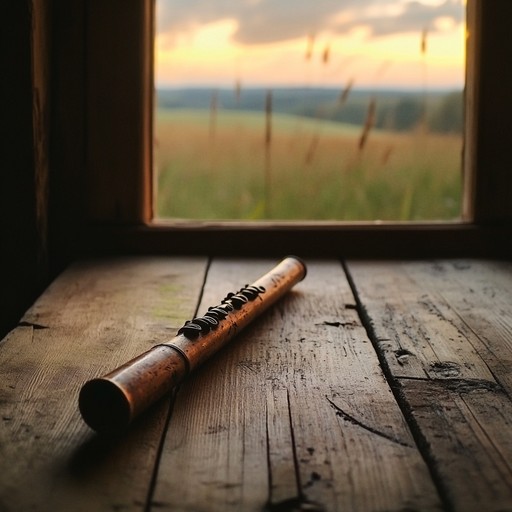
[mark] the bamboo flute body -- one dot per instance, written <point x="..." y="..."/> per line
<point x="111" y="402"/>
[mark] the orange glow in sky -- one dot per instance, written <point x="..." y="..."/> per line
<point x="209" y="54"/>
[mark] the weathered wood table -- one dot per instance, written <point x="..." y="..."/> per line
<point x="373" y="386"/>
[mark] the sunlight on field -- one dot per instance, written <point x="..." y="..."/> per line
<point x="213" y="167"/>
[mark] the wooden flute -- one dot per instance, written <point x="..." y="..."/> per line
<point x="111" y="402"/>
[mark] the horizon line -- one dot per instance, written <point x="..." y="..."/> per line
<point x="362" y="87"/>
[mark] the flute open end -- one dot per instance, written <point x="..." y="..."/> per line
<point x="104" y="406"/>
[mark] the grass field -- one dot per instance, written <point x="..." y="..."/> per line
<point x="228" y="168"/>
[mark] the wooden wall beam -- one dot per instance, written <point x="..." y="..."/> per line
<point x="67" y="206"/>
<point x="25" y="52"/>
<point x="488" y="155"/>
<point x="119" y="110"/>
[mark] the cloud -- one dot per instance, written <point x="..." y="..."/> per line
<point x="268" y="21"/>
<point x="414" y="17"/>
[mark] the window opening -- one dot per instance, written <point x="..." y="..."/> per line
<point x="326" y="110"/>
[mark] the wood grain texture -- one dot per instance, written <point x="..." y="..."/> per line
<point x="94" y="317"/>
<point x="41" y="65"/>
<point x="24" y="141"/>
<point x="420" y="334"/>
<point x="444" y="330"/>
<point x="294" y="413"/>
<point x="119" y="110"/>
<point x="471" y="168"/>
<point x="467" y="430"/>
<point x="488" y="153"/>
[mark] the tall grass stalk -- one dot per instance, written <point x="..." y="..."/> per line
<point x="345" y="93"/>
<point x="238" y="90"/>
<point x="424" y="68"/>
<point x="268" y="155"/>
<point x="369" y="123"/>
<point x="326" y="54"/>
<point x="212" y="132"/>
<point x="310" y="44"/>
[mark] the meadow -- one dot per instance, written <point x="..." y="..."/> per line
<point x="249" y="165"/>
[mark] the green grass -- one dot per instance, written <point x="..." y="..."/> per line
<point x="250" y="120"/>
<point x="219" y="174"/>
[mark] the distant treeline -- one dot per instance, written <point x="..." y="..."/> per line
<point x="397" y="110"/>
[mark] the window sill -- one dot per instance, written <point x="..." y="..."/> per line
<point x="317" y="239"/>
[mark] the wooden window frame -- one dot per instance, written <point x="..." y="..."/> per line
<point x="117" y="164"/>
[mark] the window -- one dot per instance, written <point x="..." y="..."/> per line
<point x="334" y="111"/>
<point x="119" y="165"/>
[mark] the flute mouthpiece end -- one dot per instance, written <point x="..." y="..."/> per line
<point x="104" y="406"/>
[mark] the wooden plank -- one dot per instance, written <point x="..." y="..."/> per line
<point x="41" y="62"/>
<point x="480" y="294"/>
<point x="471" y="169"/>
<point x="420" y="335"/>
<point x="94" y="317"/>
<point x="119" y="110"/>
<point x="68" y="138"/>
<point x="294" y="413"/>
<point x="24" y="146"/>
<point x="487" y="154"/>
<point x="467" y="427"/>
<point x="444" y="330"/>
<point x="313" y="239"/>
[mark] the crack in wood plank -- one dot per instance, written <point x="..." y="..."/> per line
<point x="287" y="486"/>
<point x="336" y="324"/>
<point x="402" y="355"/>
<point x="298" y="504"/>
<point x="283" y="480"/>
<point x="351" y="419"/>
<point x="294" y="446"/>
<point x="33" y="325"/>
<point x="459" y="385"/>
<point x="481" y="432"/>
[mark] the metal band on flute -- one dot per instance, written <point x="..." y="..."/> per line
<point x="111" y="402"/>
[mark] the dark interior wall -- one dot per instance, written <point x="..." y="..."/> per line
<point x="68" y="187"/>
<point x="493" y="116"/>
<point x="24" y="47"/>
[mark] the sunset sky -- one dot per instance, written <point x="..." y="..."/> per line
<point x="375" y="43"/>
